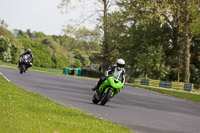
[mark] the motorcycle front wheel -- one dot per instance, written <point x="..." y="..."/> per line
<point x="22" y="68"/>
<point x="106" y="97"/>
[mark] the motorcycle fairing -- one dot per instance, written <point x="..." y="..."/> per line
<point x="110" y="83"/>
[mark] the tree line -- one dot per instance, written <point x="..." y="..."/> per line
<point x="53" y="51"/>
<point x="159" y="39"/>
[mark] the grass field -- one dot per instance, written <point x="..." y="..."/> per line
<point x="25" y="112"/>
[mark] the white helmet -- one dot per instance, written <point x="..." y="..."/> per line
<point x="120" y="63"/>
<point x="29" y="51"/>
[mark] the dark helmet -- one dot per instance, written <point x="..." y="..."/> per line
<point x="29" y="51"/>
<point x="120" y="64"/>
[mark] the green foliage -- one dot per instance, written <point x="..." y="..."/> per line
<point x="59" y="61"/>
<point x="41" y="57"/>
<point x="14" y="54"/>
<point x="154" y="66"/>
<point x="77" y="63"/>
<point x="38" y="34"/>
<point x="82" y="57"/>
<point x="195" y="62"/>
<point x="5" y="49"/>
<point x="51" y="46"/>
<point x="82" y="47"/>
<point x="20" y="34"/>
<point x="143" y="47"/>
<point x="151" y="36"/>
<point x="195" y="13"/>
<point x="14" y="45"/>
<point x="3" y="45"/>
<point x="52" y="51"/>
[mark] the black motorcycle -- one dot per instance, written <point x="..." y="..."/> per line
<point x="25" y="63"/>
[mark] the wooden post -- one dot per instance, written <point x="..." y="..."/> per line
<point x="74" y="71"/>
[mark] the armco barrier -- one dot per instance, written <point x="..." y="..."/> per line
<point x="68" y="71"/>
<point x="72" y="71"/>
<point x="188" y="87"/>
<point x="82" y="72"/>
<point x="78" y="71"/>
<point x="165" y="84"/>
<point x="132" y="80"/>
<point x="92" y="73"/>
<point x="137" y="81"/>
<point x="178" y="85"/>
<point x="154" y="82"/>
<point x="144" y="82"/>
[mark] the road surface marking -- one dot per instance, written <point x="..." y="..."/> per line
<point x="5" y="77"/>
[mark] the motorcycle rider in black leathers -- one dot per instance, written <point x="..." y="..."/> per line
<point x="27" y="52"/>
<point x="116" y="71"/>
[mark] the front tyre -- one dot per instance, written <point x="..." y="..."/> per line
<point x="22" y="68"/>
<point x="25" y="68"/>
<point x="94" y="99"/>
<point x="106" y="97"/>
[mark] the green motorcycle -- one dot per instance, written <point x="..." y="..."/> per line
<point x="108" y="89"/>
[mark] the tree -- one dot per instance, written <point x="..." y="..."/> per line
<point x="106" y="54"/>
<point x="14" y="45"/>
<point x="3" y="24"/>
<point x="180" y="10"/>
<point x="38" y="34"/>
<point x="195" y="61"/>
<point x="82" y="44"/>
<point x="3" y="46"/>
<point x="28" y="32"/>
<point x="20" y="34"/>
<point x="180" y="16"/>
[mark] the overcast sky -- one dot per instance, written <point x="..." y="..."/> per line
<point x="40" y="15"/>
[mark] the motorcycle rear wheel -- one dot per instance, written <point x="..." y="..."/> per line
<point x="94" y="99"/>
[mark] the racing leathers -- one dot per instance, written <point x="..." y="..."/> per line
<point x="31" y="58"/>
<point x="114" y="71"/>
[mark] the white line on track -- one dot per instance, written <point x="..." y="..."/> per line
<point x="5" y="77"/>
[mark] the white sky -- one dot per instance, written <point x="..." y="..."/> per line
<point x="41" y="15"/>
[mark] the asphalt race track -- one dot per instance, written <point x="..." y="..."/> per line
<point x="141" y="110"/>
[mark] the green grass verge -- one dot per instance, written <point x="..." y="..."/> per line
<point x="25" y="112"/>
<point x="7" y="65"/>
<point x="195" y="97"/>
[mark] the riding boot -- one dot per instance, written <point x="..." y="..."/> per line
<point x="99" y="83"/>
<point x="97" y="86"/>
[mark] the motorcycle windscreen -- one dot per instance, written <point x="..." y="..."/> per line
<point x="114" y="82"/>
